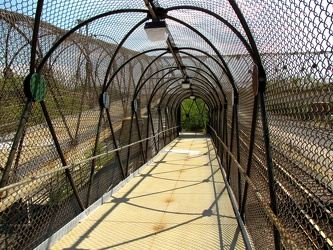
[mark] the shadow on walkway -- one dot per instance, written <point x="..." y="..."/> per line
<point x="179" y="201"/>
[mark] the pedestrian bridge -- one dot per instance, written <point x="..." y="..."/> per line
<point x="173" y="124"/>
<point x="178" y="201"/>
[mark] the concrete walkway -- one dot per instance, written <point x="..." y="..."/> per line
<point x="179" y="201"/>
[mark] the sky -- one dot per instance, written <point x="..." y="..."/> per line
<point x="310" y="23"/>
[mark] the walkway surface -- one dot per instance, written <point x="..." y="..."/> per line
<point x="179" y="201"/>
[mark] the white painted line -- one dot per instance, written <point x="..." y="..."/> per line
<point x="189" y="152"/>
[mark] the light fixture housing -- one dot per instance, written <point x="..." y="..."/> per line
<point x="156" y="30"/>
<point x="192" y="97"/>
<point x="186" y="84"/>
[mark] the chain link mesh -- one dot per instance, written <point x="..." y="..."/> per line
<point x="68" y="127"/>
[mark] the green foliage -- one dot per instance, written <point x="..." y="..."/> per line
<point x="194" y="115"/>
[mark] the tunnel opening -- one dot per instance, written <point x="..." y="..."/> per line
<point x="194" y="115"/>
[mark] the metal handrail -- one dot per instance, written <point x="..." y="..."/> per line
<point x="17" y="184"/>
<point x="269" y="212"/>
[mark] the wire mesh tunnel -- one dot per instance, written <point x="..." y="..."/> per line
<point x="86" y="99"/>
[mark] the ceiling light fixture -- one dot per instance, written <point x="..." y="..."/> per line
<point x="156" y="31"/>
<point x="186" y="84"/>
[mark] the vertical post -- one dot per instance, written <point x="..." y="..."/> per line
<point x="129" y="142"/>
<point x="158" y="128"/>
<point x="175" y="123"/>
<point x="179" y="120"/>
<point x="269" y="162"/>
<point x="217" y="120"/>
<point x="147" y="132"/>
<point x="153" y="130"/>
<point x="35" y="35"/>
<point x="167" y="125"/>
<point x="259" y="84"/>
<point x="160" y="125"/>
<point x="28" y="105"/>
<point x="225" y="132"/>
<point x="249" y="161"/>
<point x="238" y="148"/>
<point x="139" y="134"/>
<point x="232" y="132"/>
<point x="217" y="117"/>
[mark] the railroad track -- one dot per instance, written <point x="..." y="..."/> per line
<point x="301" y="191"/>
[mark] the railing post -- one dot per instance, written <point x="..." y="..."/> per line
<point x="225" y="131"/>
<point x="167" y="134"/>
<point x="238" y="147"/>
<point x="232" y="132"/>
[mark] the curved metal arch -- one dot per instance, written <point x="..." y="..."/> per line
<point x="8" y="64"/>
<point x="176" y="88"/>
<point x="203" y="83"/>
<point x="34" y="42"/>
<point x="247" y="31"/>
<point x="174" y="97"/>
<point x="209" y="105"/>
<point x="182" y="97"/>
<point x="80" y="25"/>
<point x="138" y="86"/>
<point x="177" y="102"/>
<point x="102" y="57"/>
<point x="205" y="53"/>
<point x="212" y="87"/>
<point x="215" y="77"/>
<point x="130" y="59"/>
<point x="35" y="33"/>
<point x="206" y="98"/>
<point x="224" y="21"/>
<point x="213" y="47"/>
<point x="158" y="86"/>
<point x="117" y="49"/>
<point x="152" y="50"/>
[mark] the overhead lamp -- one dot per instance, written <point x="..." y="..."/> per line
<point x="156" y="31"/>
<point x="192" y="97"/>
<point x="186" y="84"/>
